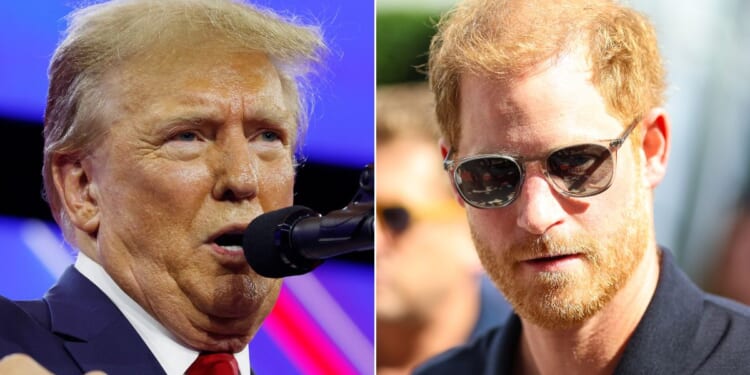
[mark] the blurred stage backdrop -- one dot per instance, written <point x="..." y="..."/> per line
<point x="323" y="322"/>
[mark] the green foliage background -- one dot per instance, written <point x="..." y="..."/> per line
<point x="402" y="45"/>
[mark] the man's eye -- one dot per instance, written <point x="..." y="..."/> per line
<point x="186" y="137"/>
<point x="269" y="136"/>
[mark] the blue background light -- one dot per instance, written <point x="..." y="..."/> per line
<point x="341" y="125"/>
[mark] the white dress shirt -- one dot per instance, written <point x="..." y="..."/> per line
<point x="174" y="357"/>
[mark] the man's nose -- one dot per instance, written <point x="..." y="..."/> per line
<point x="538" y="206"/>
<point x="236" y="175"/>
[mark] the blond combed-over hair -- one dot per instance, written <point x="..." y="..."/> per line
<point x="503" y="40"/>
<point x="103" y="37"/>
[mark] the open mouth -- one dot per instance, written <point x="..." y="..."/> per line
<point x="230" y="241"/>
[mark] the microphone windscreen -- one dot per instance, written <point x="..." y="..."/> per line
<point x="267" y="243"/>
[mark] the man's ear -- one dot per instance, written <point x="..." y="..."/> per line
<point x="444" y="150"/>
<point x="77" y="191"/>
<point x="655" y="146"/>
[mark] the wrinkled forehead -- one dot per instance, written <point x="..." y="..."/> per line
<point x="202" y="65"/>
<point x="205" y="73"/>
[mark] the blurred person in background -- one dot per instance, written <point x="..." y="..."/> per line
<point x="431" y="294"/>
<point x="732" y="274"/>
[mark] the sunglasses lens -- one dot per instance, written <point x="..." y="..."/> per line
<point x="396" y="218"/>
<point x="581" y="170"/>
<point x="488" y="182"/>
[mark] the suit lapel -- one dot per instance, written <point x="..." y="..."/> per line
<point x="95" y="332"/>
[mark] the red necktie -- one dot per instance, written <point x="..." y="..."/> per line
<point x="214" y="364"/>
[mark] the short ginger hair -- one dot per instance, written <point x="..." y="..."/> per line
<point x="504" y="39"/>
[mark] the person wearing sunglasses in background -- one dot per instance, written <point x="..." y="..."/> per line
<point x="431" y="294"/>
<point x="554" y="139"/>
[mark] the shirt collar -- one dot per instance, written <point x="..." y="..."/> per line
<point x="174" y="357"/>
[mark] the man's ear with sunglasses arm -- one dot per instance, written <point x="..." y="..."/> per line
<point x="655" y="145"/>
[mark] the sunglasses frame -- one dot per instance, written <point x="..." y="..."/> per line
<point x="612" y="145"/>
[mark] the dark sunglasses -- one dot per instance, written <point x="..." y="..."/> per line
<point x="494" y="180"/>
<point x="398" y="218"/>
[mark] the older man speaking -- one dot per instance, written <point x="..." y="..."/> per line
<point x="169" y="126"/>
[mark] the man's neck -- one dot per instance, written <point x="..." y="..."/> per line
<point x="596" y="346"/>
<point x="172" y="355"/>
<point x="404" y="344"/>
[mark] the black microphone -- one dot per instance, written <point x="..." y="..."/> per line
<point x="295" y="240"/>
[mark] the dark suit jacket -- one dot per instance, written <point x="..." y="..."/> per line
<point x="493" y="309"/>
<point x="684" y="331"/>
<point x="75" y="328"/>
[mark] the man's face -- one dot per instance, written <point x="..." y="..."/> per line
<point x="420" y="264"/>
<point x="198" y="146"/>
<point x="557" y="259"/>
